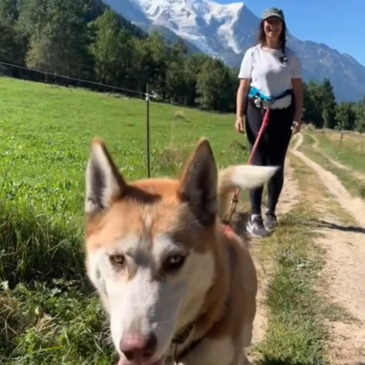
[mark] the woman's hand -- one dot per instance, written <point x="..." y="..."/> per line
<point x="296" y="127"/>
<point x="239" y="125"/>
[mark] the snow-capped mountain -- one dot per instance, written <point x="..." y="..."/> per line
<point x="226" y="31"/>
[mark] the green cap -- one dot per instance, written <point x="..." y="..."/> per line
<point x="267" y="13"/>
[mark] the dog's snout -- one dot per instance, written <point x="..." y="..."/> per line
<point x="136" y="347"/>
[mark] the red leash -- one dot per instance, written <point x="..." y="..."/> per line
<point x="265" y="123"/>
<point x="234" y="201"/>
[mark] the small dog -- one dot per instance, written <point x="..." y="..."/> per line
<point x="178" y="289"/>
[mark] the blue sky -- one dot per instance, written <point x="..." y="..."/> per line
<point x="337" y="23"/>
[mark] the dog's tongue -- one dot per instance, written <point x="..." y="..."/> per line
<point x="126" y="362"/>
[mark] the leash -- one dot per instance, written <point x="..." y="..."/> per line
<point x="234" y="201"/>
<point x="261" y="101"/>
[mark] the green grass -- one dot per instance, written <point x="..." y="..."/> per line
<point x="300" y="308"/>
<point x="46" y="133"/>
<point x="296" y="334"/>
<point x="350" y="151"/>
<point x="58" y="323"/>
<point x="49" y="309"/>
<point x="349" y="158"/>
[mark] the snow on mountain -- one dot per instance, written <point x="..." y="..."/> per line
<point x="207" y="25"/>
<point x="226" y="31"/>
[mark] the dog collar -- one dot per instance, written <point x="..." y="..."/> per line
<point x="183" y="334"/>
<point x="182" y="337"/>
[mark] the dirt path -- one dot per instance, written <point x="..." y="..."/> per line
<point x="345" y="269"/>
<point x="354" y="206"/>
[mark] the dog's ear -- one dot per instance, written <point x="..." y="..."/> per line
<point x="199" y="183"/>
<point x="104" y="183"/>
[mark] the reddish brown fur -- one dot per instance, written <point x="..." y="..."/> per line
<point x="231" y="300"/>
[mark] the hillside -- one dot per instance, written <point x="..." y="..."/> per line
<point x="226" y="31"/>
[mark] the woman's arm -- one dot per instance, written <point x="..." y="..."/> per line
<point x="241" y="97"/>
<point x="245" y="80"/>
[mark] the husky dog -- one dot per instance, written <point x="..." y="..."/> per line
<point x="178" y="288"/>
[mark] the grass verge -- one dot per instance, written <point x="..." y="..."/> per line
<point x="35" y="247"/>
<point x="52" y="323"/>
<point x="295" y="332"/>
<point x="348" y="149"/>
<point x="299" y="309"/>
<point x="354" y="185"/>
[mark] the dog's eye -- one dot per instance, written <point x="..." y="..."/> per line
<point x="117" y="260"/>
<point x="174" y="262"/>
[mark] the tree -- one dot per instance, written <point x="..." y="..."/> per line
<point x="12" y="47"/>
<point x="192" y="67"/>
<point x="175" y="81"/>
<point x="320" y="104"/>
<point x="328" y="104"/>
<point x="57" y="33"/>
<point x="9" y="11"/>
<point x="360" y="116"/>
<point x="345" y="116"/>
<point x="113" y="50"/>
<point x="313" y="103"/>
<point x="176" y="84"/>
<point x="153" y="62"/>
<point x="214" y="86"/>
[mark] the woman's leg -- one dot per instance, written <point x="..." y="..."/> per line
<point x="279" y="139"/>
<point x="254" y="119"/>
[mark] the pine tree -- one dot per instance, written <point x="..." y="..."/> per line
<point x="328" y="104"/>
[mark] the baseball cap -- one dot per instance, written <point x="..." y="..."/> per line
<point x="267" y="13"/>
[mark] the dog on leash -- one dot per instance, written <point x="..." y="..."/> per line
<point x="177" y="288"/>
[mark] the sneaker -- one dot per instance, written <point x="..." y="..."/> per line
<point x="270" y="221"/>
<point x="255" y="226"/>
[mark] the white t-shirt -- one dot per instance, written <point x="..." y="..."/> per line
<point x="268" y="74"/>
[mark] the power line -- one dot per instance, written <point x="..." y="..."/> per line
<point x="77" y="79"/>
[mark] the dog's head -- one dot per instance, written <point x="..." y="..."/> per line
<point x="150" y="250"/>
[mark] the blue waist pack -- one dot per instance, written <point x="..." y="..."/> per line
<point x="259" y="98"/>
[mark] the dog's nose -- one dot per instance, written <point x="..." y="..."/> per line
<point x="138" y="348"/>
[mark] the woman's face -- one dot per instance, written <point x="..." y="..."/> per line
<point x="273" y="27"/>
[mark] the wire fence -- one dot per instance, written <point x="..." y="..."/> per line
<point x="13" y="70"/>
<point x="21" y="72"/>
<point x="24" y="73"/>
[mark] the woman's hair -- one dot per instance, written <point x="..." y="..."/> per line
<point x="261" y="38"/>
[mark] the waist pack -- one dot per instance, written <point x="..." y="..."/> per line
<point x="261" y="99"/>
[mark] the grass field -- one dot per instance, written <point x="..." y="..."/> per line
<point x="48" y="308"/>
<point x="330" y="148"/>
<point x="348" y="149"/>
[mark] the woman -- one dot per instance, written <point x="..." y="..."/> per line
<point x="275" y="71"/>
